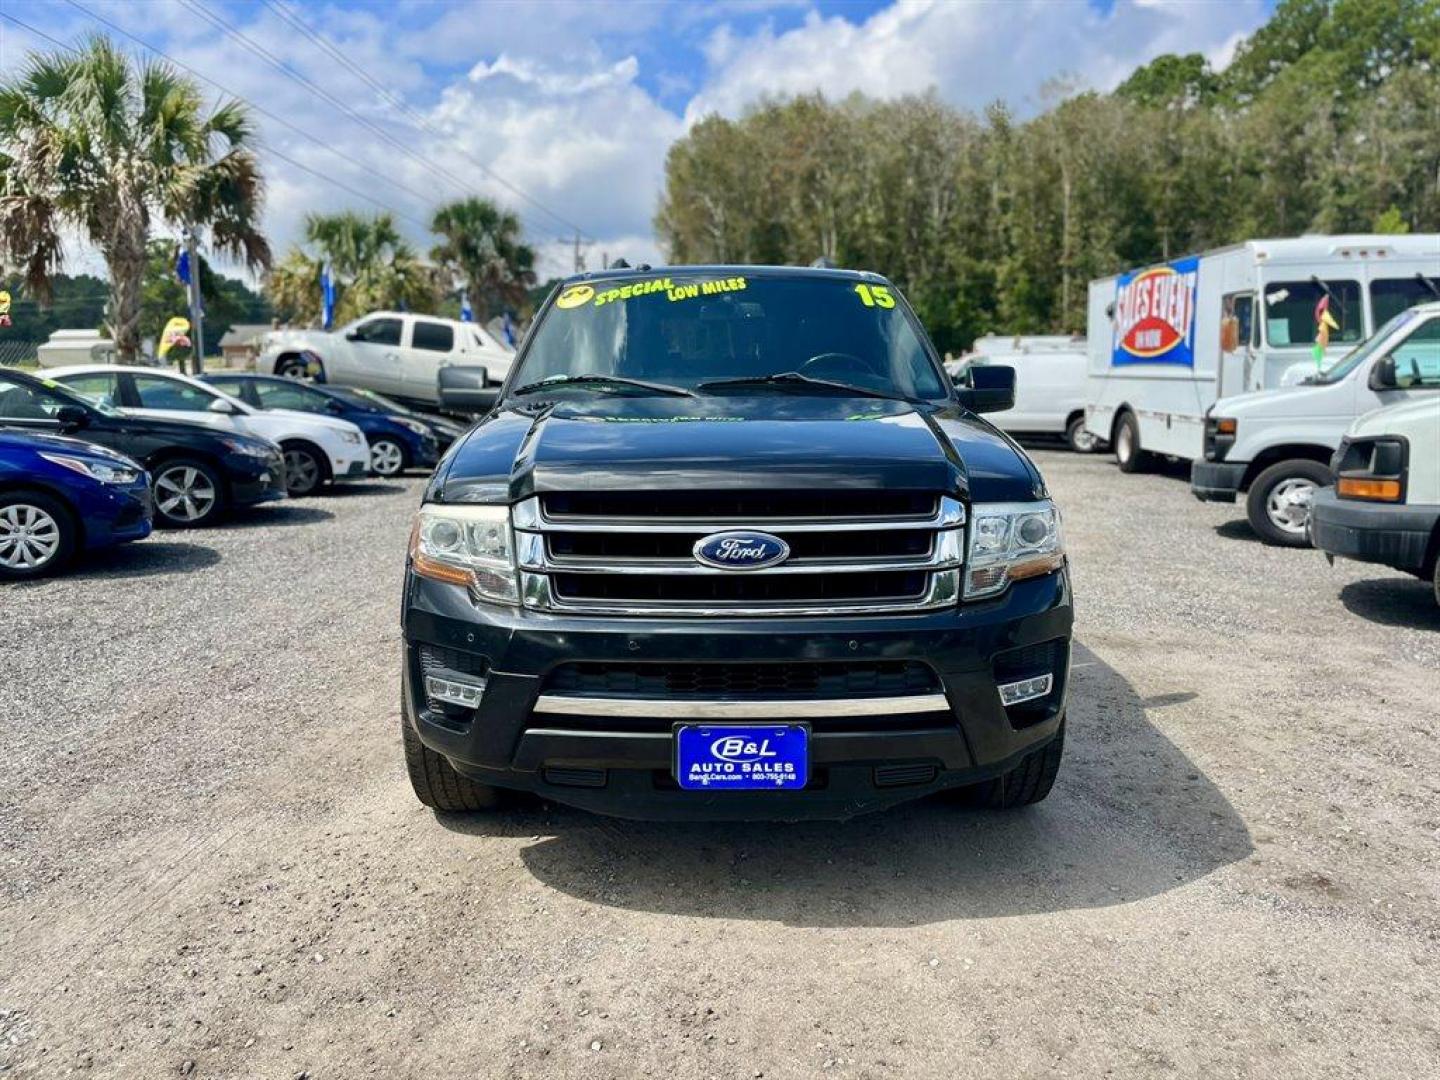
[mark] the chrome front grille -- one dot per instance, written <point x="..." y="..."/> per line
<point x="629" y="553"/>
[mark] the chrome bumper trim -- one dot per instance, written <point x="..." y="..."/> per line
<point x="709" y="709"/>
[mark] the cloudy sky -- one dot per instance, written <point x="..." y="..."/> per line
<point x="563" y="109"/>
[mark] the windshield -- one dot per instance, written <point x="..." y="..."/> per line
<point x="42" y="399"/>
<point x="687" y="329"/>
<point x="1357" y="356"/>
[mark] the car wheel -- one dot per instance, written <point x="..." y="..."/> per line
<point x="1128" y="453"/>
<point x="188" y="494"/>
<point x="1080" y="440"/>
<point x="304" y="472"/>
<point x="436" y="782"/>
<point x="37" y="535"/>
<point x="292" y="367"/>
<point x="1024" y="785"/>
<point x="387" y="457"/>
<point x="1278" y="504"/>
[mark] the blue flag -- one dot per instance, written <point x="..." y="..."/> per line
<point x="182" y="266"/>
<point x="327" y="297"/>
<point x="507" y="328"/>
<point x="467" y="313"/>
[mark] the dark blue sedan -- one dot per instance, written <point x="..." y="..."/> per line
<point x="397" y="442"/>
<point x="60" y="496"/>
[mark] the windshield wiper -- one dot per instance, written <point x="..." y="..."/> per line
<point x="785" y="379"/>
<point x="601" y="381"/>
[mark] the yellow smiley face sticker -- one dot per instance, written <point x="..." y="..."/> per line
<point x="574" y="296"/>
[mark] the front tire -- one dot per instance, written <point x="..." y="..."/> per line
<point x="387" y="458"/>
<point x="292" y="367"/>
<point x="1078" y="439"/>
<point x="1024" y="785"/>
<point x="188" y="494"/>
<point x="435" y="781"/>
<point x="1278" y="503"/>
<point x="1128" y="453"/>
<point x="37" y="535"/>
<point x="304" y="470"/>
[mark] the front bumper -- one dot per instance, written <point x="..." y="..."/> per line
<point x="350" y="470"/>
<point x="1216" y="481"/>
<point x="1396" y="536"/>
<point x="255" y="480"/>
<point x="525" y="736"/>
<point x="127" y="515"/>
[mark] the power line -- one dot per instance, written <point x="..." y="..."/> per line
<point x="259" y="50"/>
<point x="424" y="198"/>
<point x="409" y="110"/>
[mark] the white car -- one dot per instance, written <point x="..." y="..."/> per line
<point x="1276" y="444"/>
<point x="1385" y="505"/>
<point x="390" y="352"/>
<point x="317" y="448"/>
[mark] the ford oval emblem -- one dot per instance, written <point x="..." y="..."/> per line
<point x="741" y="550"/>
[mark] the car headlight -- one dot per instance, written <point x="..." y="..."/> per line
<point x="1011" y="542"/>
<point x="249" y="447"/>
<point x="466" y="545"/>
<point x="413" y="425"/>
<point x="351" y="437"/>
<point x="96" y="470"/>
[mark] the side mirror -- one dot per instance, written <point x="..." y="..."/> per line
<point x="465" y="388"/>
<point x="333" y="407"/>
<point x="991" y="388"/>
<point x="352" y="335"/>
<point x="1382" y="374"/>
<point x="72" y="417"/>
<point x="221" y="406"/>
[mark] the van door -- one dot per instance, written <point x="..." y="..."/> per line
<point x="432" y="343"/>
<point x="1237" y="310"/>
<point x="1416" y="361"/>
<point x="374" y="347"/>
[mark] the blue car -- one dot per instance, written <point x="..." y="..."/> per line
<point x="397" y="442"/>
<point x="61" y="496"/>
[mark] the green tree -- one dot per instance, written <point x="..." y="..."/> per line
<point x="481" y="247"/>
<point x="101" y="143"/>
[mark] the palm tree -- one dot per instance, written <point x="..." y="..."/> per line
<point x="96" y="141"/>
<point x="372" y="265"/>
<point x="482" y="248"/>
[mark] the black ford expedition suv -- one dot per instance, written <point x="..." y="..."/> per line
<point x="732" y="546"/>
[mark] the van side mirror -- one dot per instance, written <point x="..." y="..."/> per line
<point x="991" y="388"/>
<point x="72" y="417"/>
<point x="466" y="388"/>
<point x="1382" y="374"/>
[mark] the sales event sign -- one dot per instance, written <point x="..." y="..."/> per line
<point x="1155" y="315"/>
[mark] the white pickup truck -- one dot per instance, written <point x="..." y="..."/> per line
<point x="390" y="352"/>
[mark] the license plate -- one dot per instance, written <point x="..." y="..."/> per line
<point x="742" y="757"/>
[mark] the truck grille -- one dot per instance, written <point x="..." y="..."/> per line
<point x="630" y="553"/>
<point x="744" y="681"/>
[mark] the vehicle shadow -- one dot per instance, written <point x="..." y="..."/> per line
<point x="362" y="487"/>
<point x="1393" y="601"/>
<point x="1130" y="817"/>
<point x="1238" y="529"/>
<point x="279" y="513"/>
<point x="145" y="560"/>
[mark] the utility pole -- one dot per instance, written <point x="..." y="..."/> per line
<point x="197" y="316"/>
<point x="578" y="245"/>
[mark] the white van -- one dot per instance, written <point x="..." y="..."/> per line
<point x="1049" y="385"/>
<point x="1276" y="444"/>
<point x="1165" y="342"/>
<point x="1385" y="505"/>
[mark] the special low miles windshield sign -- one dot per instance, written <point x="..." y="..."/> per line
<point x="1155" y="315"/>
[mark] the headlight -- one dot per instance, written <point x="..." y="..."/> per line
<point x="466" y="545"/>
<point x="96" y="470"/>
<point x="1010" y="542"/>
<point x="351" y="437"/>
<point x="248" y="447"/>
<point x="414" y="425"/>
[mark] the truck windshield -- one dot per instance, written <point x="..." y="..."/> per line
<point x="687" y="329"/>
<point x="1358" y="355"/>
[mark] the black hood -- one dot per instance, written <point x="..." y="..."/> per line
<point x="786" y="442"/>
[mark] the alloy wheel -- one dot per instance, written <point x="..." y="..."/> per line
<point x="386" y="458"/>
<point x="29" y="537"/>
<point x="302" y="472"/>
<point x="184" y="493"/>
<point x="1288" y="505"/>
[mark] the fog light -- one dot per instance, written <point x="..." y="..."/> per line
<point x="1013" y="693"/>
<point x="454" y="692"/>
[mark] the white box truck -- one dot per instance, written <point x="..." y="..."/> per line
<point x="1165" y="341"/>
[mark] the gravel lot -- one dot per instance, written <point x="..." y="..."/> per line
<point x="213" y="865"/>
